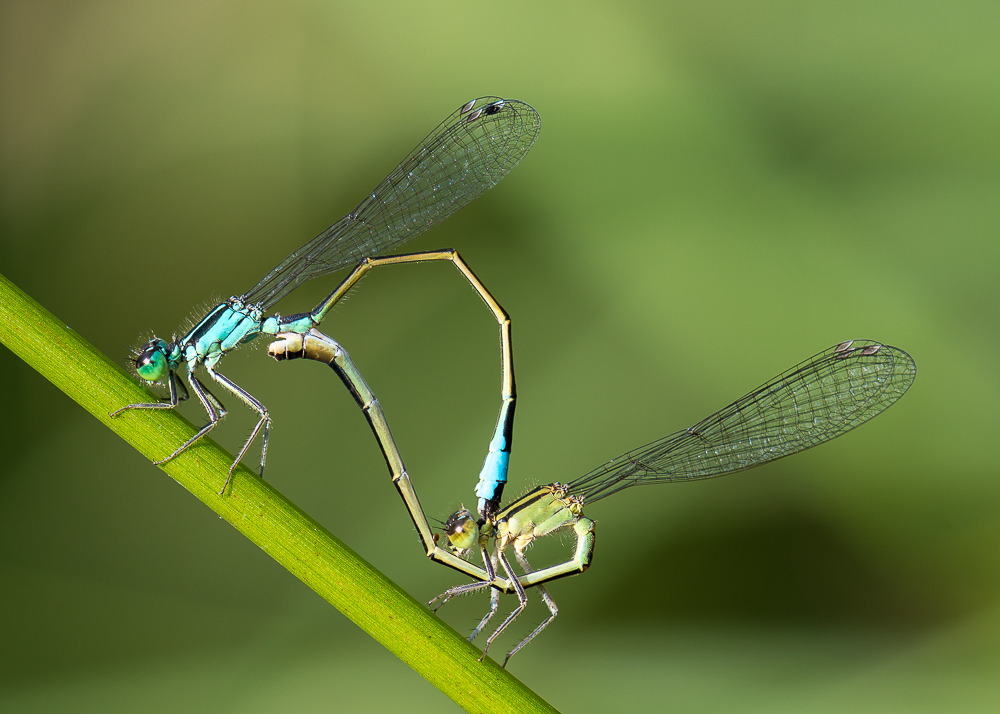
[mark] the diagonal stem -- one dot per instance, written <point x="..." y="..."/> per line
<point x="286" y="533"/>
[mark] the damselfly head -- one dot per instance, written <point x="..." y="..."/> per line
<point x="462" y="530"/>
<point x="150" y="361"/>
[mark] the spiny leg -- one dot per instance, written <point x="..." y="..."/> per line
<point x="215" y="401"/>
<point x="546" y="598"/>
<point x="467" y="588"/>
<point x="522" y="602"/>
<point x="457" y="591"/>
<point x="264" y="422"/>
<point x="173" y="400"/>
<point x="213" y="408"/>
<point x="583" y="554"/>
<point x="494" y="606"/>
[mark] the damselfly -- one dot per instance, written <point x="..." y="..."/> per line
<point x="819" y="399"/>
<point x="467" y="154"/>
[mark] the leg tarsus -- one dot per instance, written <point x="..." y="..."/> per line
<point x="213" y="408"/>
<point x="263" y="424"/>
<point x="522" y="602"/>
<point x="546" y="598"/>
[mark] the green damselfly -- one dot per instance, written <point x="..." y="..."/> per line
<point x="818" y="400"/>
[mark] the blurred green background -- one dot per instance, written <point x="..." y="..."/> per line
<point x="719" y="191"/>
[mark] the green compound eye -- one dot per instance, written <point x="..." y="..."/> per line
<point x="151" y="363"/>
<point x="462" y="530"/>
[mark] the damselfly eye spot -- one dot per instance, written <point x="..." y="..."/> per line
<point x="493" y="108"/>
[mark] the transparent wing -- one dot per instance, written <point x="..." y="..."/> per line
<point x="815" y="401"/>
<point x="467" y="154"/>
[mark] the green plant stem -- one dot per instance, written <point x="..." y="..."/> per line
<point x="317" y="558"/>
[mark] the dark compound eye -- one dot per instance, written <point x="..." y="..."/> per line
<point x="493" y="108"/>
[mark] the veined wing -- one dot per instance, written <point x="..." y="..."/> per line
<point x="467" y="154"/>
<point x="815" y="401"/>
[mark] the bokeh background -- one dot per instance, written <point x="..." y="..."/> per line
<point x="719" y="191"/>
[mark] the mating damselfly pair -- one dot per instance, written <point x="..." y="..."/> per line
<point x="472" y="150"/>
